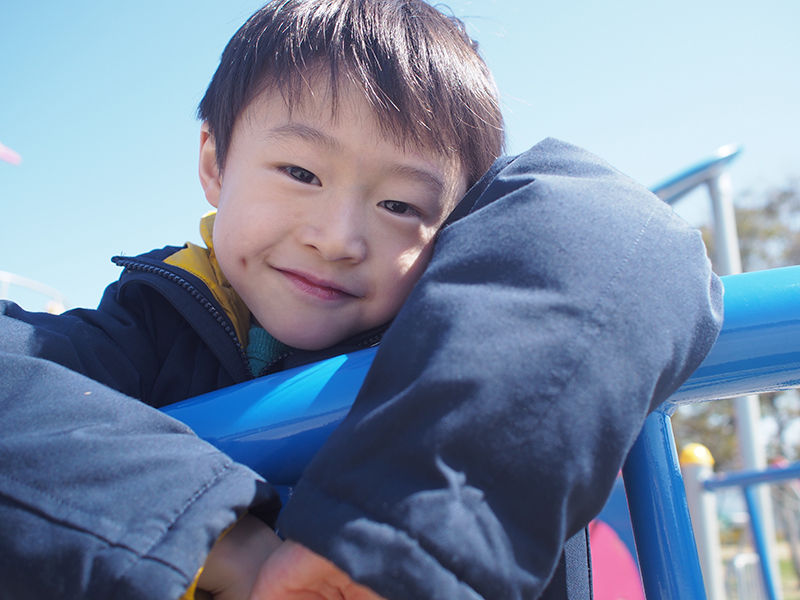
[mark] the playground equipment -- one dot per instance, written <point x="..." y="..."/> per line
<point x="758" y="351"/>
<point x="56" y="302"/>
<point x="748" y="480"/>
<point x="276" y="424"/>
<point x="753" y="578"/>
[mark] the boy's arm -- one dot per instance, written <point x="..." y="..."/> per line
<point x="102" y="496"/>
<point x="137" y="341"/>
<point x="505" y="396"/>
<point x="111" y="345"/>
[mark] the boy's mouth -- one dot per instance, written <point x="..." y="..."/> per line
<point x="318" y="288"/>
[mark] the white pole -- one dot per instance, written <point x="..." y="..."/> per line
<point x="748" y="411"/>
<point x="727" y="257"/>
<point x="697" y="465"/>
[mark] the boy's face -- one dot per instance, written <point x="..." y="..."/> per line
<point x="324" y="225"/>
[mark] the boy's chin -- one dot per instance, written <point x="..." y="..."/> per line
<point x="311" y="341"/>
<point x="310" y="333"/>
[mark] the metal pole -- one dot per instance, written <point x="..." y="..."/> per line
<point x="748" y="412"/>
<point x="697" y="465"/>
<point x="662" y="527"/>
<point x="726" y="239"/>
<point x="760" y="540"/>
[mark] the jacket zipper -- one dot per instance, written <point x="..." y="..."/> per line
<point x="132" y="265"/>
<point x="368" y="343"/>
<point x="268" y="367"/>
<point x="372" y="341"/>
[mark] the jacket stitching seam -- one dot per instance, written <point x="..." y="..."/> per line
<point x="62" y="520"/>
<point x="145" y="554"/>
<point x="576" y="364"/>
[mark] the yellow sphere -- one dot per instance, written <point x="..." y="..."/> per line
<point x="696" y="454"/>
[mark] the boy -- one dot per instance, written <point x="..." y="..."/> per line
<point x="332" y="171"/>
<point x="337" y="138"/>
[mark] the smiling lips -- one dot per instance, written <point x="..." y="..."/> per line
<point x="322" y="290"/>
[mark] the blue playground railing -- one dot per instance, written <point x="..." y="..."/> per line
<point x="747" y="480"/>
<point x="678" y="186"/>
<point x="758" y="351"/>
<point x="275" y="424"/>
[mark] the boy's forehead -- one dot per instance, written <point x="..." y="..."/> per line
<point x="320" y="100"/>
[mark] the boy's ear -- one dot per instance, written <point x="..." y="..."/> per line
<point x="210" y="177"/>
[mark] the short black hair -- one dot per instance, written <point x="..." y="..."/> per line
<point x="417" y="67"/>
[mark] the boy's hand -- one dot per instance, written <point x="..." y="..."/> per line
<point x="232" y="566"/>
<point x="251" y="561"/>
<point x="293" y="572"/>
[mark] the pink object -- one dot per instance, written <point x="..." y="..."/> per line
<point x="614" y="572"/>
<point x="8" y="155"/>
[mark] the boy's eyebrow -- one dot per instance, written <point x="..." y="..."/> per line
<point x="424" y="176"/>
<point x="310" y="134"/>
<point x="315" y="136"/>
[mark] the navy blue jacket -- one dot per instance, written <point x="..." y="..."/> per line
<point x="563" y="307"/>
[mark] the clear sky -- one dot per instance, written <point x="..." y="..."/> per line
<point x="99" y="99"/>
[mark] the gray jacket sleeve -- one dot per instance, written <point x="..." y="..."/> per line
<point x="501" y="404"/>
<point x="102" y="496"/>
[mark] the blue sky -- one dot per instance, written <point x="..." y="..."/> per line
<point x="99" y="99"/>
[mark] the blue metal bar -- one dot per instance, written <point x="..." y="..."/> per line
<point x="758" y="349"/>
<point x="662" y="528"/>
<point x="276" y="424"/>
<point x="760" y="542"/>
<point x="746" y="478"/>
<point x="675" y="188"/>
<point x="284" y="418"/>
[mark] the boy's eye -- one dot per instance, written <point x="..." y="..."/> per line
<point x="399" y="208"/>
<point x="303" y="175"/>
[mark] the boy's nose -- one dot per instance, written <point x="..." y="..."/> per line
<point x="338" y="234"/>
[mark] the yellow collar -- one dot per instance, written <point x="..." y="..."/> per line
<point x="202" y="263"/>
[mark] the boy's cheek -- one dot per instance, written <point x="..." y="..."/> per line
<point x="413" y="268"/>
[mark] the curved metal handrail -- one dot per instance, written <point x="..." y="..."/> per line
<point x="758" y="349"/>
<point x="58" y="301"/>
<point x="676" y="187"/>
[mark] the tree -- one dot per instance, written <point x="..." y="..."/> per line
<point x="783" y="408"/>
<point x="769" y="232"/>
